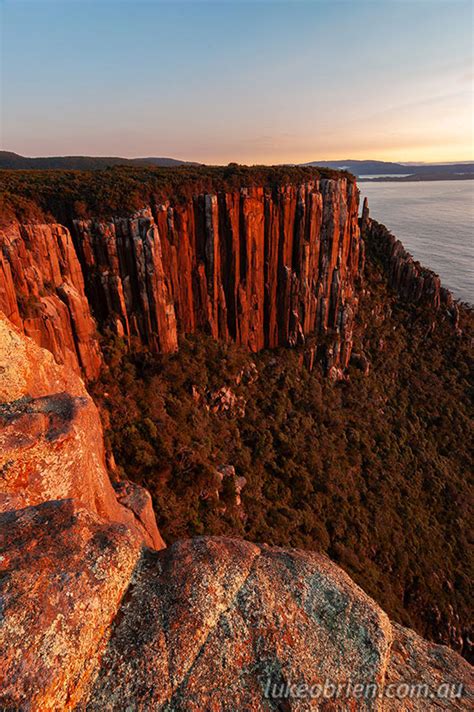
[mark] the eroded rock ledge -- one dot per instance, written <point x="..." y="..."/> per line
<point x="94" y="619"/>
<point x="215" y="623"/>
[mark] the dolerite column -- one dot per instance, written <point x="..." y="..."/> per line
<point x="253" y="220"/>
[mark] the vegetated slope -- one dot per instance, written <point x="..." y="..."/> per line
<point x="207" y="622"/>
<point x="373" y="470"/>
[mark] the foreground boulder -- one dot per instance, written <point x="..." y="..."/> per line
<point x="211" y="623"/>
<point x="221" y="624"/>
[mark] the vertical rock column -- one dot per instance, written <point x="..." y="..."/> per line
<point x="42" y="292"/>
<point x="126" y="280"/>
<point x="260" y="266"/>
<point x="413" y="282"/>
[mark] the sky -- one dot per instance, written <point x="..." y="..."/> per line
<point x="268" y="81"/>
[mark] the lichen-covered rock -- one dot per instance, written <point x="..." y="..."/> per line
<point x="51" y="441"/>
<point x="63" y="573"/>
<point x="444" y="679"/>
<point x="219" y="624"/>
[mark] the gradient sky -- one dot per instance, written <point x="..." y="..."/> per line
<point x="263" y="81"/>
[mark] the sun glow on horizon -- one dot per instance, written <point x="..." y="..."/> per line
<point x="215" y="83"/>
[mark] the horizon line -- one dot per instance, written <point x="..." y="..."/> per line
<point x="284" y="163"/>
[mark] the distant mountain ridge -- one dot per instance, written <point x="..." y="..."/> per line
<point x="412" y="171"/>
<point x="11" y="160"/>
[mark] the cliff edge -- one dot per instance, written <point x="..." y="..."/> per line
<point x="263" y="264"/>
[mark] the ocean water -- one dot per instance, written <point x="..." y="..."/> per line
<point x="435" y="222"/>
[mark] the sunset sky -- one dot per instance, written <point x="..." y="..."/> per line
<point x="253" y="82"/>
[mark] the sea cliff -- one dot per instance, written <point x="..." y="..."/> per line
<point x="260" y="265"/>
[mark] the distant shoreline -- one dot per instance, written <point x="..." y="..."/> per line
<point x="415" y="178"/>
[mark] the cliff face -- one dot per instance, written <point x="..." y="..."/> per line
<point x="263" y="267"/>
<point x="42" y="292"/>
<point x="94" y="619"/>
<point x="412" y="282"/>
<point x="260" y="267"/>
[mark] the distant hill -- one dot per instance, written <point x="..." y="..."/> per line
<point x="11" y="160"/>
<point x="377" y="170"/>
<point x="422" y="171"/>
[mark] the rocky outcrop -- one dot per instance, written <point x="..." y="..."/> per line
<point x="209" y="623"/>
<point x="260" y="266"/>
<point x="68" y="542"/>
<point x="94" y="619"/>
<point x="412" y="282"/>
<point x="138" y="501"/>
<point x="42" y="292"/>
<point x="51" y="442"/>
<point x="233" y="625"/>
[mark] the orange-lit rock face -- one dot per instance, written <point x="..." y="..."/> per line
<point x="51" y="443"/>
<point x="42" y="292"/>
<point x="259" y="266"/>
